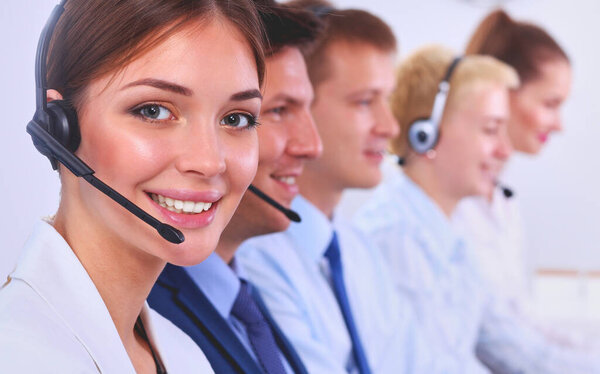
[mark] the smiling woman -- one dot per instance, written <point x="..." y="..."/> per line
<point x="165" y="96"/>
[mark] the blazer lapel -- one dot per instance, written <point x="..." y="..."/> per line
<point x="284" y="345"/>
<point x="190" y="297"/>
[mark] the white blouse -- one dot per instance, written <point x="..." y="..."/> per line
<point x="495" y="230"/>
<point x="53" y="319"/>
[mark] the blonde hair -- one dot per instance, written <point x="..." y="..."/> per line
<point x="419" y="75"/>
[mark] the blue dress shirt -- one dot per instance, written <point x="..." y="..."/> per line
<point x="220" y="283"/>
<point x="292" y="274"/>
<point x="433" y="264"/>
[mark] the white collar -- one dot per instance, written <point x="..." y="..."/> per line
<point x="51" y="269"/>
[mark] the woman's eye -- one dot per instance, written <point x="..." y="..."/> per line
<point x="239" y="120"/>
<point x="154" y="112"/>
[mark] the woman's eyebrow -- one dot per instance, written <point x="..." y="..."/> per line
<point x="246" y="95"/>
<point x="162" y="85"/>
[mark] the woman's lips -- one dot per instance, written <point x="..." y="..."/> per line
<point x="375" y="156"/>
<point x="189" y="214"/>
<point x="543" y="138"/>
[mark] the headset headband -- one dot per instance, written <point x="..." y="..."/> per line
<point x="41" y="56"/>
<point x="320" y="11"/>
<point x="442" y="94"/>
<point x="423" y="134"/>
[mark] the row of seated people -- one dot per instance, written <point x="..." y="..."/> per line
<point x="406" y="285"/>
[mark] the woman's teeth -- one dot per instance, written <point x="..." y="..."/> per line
<point x="287" y="180"/>
<point x="180" y="206"/>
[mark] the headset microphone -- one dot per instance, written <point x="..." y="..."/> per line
<point x="54" y="130"/>
<point x="506" y="191"/>
<point x="293" y="216"/>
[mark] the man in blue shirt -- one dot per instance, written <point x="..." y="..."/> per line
<point x="326" y="287"/>
<point x="212" y="302"/>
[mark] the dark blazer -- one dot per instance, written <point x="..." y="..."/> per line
<point x="177" y="298"/>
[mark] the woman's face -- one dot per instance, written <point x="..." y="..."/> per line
<point x="535" y="107"/>
<point x="173" y="132"/>
<point x="473" y="144"/>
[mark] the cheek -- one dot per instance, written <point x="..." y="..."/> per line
<point x="119" y="155"/>
<point x="242" y="161"/>
<point x="530" y="118"/>
<point x="534" y="119"/>
<point x="352" y="132"/>
<point x="486" y="154"/>
<point x="336" y="125"/>
<point x="272" y="141"/>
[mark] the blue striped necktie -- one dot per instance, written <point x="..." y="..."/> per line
<point x="337" y="278"/>
<point x="259" y="332"/>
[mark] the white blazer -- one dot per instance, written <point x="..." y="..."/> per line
<point x="53" y="320"/>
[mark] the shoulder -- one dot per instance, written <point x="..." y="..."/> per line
<point x="33" y="338"/>
<point x="387" y="209"/>
<point x="273" y="254"/>
<point x="284" y="278"/>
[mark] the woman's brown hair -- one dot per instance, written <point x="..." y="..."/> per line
<point x="96" y="37"/>
<point x="522" y="45"/>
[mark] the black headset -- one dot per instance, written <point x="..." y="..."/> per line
<point x="321" y="11"/>
<point x="54" y="130"/>
<point x="424" y="133"/>
<point x="57" y="118"/>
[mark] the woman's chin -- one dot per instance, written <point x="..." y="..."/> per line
<point x="190" y="252"/>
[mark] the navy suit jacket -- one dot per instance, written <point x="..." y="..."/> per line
<point x="177" y="297"/>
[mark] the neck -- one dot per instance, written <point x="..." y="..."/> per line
<point x="425" y="178"/>
<point x="122" y="275"/>
<point x="227" y="247"/>
<point x="320" y="191"/>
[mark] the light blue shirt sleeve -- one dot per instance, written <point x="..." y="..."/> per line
<point x="508" y="345"/>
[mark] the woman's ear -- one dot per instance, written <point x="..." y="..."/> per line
<point x="52" y="95"/>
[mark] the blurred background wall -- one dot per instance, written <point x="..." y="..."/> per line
<point x="557" y="190"/>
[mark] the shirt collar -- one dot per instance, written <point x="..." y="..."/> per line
<point x="218" y="281"/>
<point x="314" y="233"/>
<point x="50" y="267"/>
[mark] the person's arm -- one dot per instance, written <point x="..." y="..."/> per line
<point x="508" y="345"/>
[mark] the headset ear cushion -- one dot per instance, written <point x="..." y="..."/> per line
<point x="64" y="125"/>
<point x="422" y="135"/>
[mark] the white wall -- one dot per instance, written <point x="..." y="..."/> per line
<point x="28" y="184"/>
<point x="557" y="190"/>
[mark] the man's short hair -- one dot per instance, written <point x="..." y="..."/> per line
<point x="288" y="26"/>
<point x="343" y="25"/>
